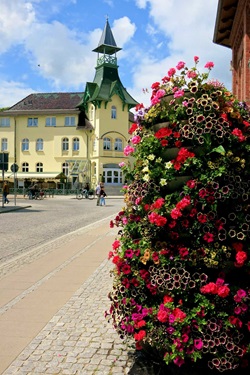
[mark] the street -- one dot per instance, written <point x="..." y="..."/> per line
<point x="26" y="230"/>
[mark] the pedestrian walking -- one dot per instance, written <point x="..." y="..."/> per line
<point x="102" y="197"/>
<point x="6" y="191"/>
<point x="97" y="193"/>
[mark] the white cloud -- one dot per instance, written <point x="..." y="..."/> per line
<point x="188" y="28"/>
<point x="141" y="3"/>
<point x="62" y="59"/>
<point x="16" y="19"/>
<point x="66" y="59"/>
<point x="12" y="92"/>
<point x="123" y="30"/>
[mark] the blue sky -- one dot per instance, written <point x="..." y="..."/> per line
<point x="46" y="45"/>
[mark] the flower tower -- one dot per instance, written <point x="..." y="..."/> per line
<point x="181" y="286"/>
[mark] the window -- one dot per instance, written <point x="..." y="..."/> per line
<point x="65" y="144"/>
<point x="25" y="167"/>
<point x="32" y="121"/>
<point x="118" y="144"/>
<point x="25" y="144"/>
<point x="106" y="143"/>
<point x="4" y="122"/>
<point x="39" y="167"/>
<point x="76" y="144"/>
<point x="70" y="121"/>
<point x="65" y="169"/>
<point x="4" y="144"/>
<point x="92" y="111"/>
<point x="113" y="112"/>
<point x="50" y="121"/>
<point x="94" y="144"/>
<point x="39" y="144"/>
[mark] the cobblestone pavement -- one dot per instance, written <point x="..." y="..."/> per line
<point x="78" y="339"/>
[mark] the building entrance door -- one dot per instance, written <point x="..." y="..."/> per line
<point x="112" y="176"/>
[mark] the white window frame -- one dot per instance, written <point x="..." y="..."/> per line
<point x="39" y="167"/>
<point x="50" y="121"/>
<point x="106" y="144"/>
<point x="39" y="144"/>
<point x="118" y="144"/>
<point x="4" y="122"/>
<point x="32" y="122"/>
<point x="76" y="144"/>
<point x="65" y="168"/>
<point x="70" y="121"/>
<point x="65" y="144"/>
<point x="4" y="144"/>
<point x="25" y="167"/>
<point x="113" y="112"/>
<point x="25" y="144"/>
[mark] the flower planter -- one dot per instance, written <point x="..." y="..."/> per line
<point x="160" y="125"/>
<point x="177" y="183"/>
<point x="181" y="280"/>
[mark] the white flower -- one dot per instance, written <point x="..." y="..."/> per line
<point x="159" y="160"/>
<point x="146" y="177"/>
<point x="151" y="157"/>
<point x="168" y="165"/>
<point x="145" y="169"/>
<point x="163" y="182"/>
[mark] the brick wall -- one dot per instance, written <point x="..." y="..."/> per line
<point x="241" y="52"/>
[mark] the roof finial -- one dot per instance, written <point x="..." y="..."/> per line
<point x="107" y="17"/>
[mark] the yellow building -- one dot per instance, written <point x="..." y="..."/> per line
<point x="81" y="135"/>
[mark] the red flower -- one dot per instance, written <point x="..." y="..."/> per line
<point x="183" y="252"/>
<point x="175" y="213"/>
<point x="171" y="72"/>
<point x="133" y="128"/>
<point x="116" y="244"/>
<point x="209" y="65"/>
<point x="157" y="204"/>
<point x="139" y="106"/>
<point x="223" y="291"/>
<point x="210" y="288"/>
<point x="238" y="133"/>
<point x="202" y="218"/>
<point x="162" y="316"/>
<point x="167" y="299"/>
<point x="157" y="219"/>
<point x="179" y="314"/>
<point x="164" y="142"/>
<point x="140" y="324"/>
<point x="126" y="269"/>
<point x="140" y="335"/>
<point x="183" y="203"/>
<point x="208" y="237"/>
<point x="241" y="257"/>
<point x="163" y="132"/>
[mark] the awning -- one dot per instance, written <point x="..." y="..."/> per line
<point x="33" y="175"/>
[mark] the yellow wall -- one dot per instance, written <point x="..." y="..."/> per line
<point x="52" y="155"/>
